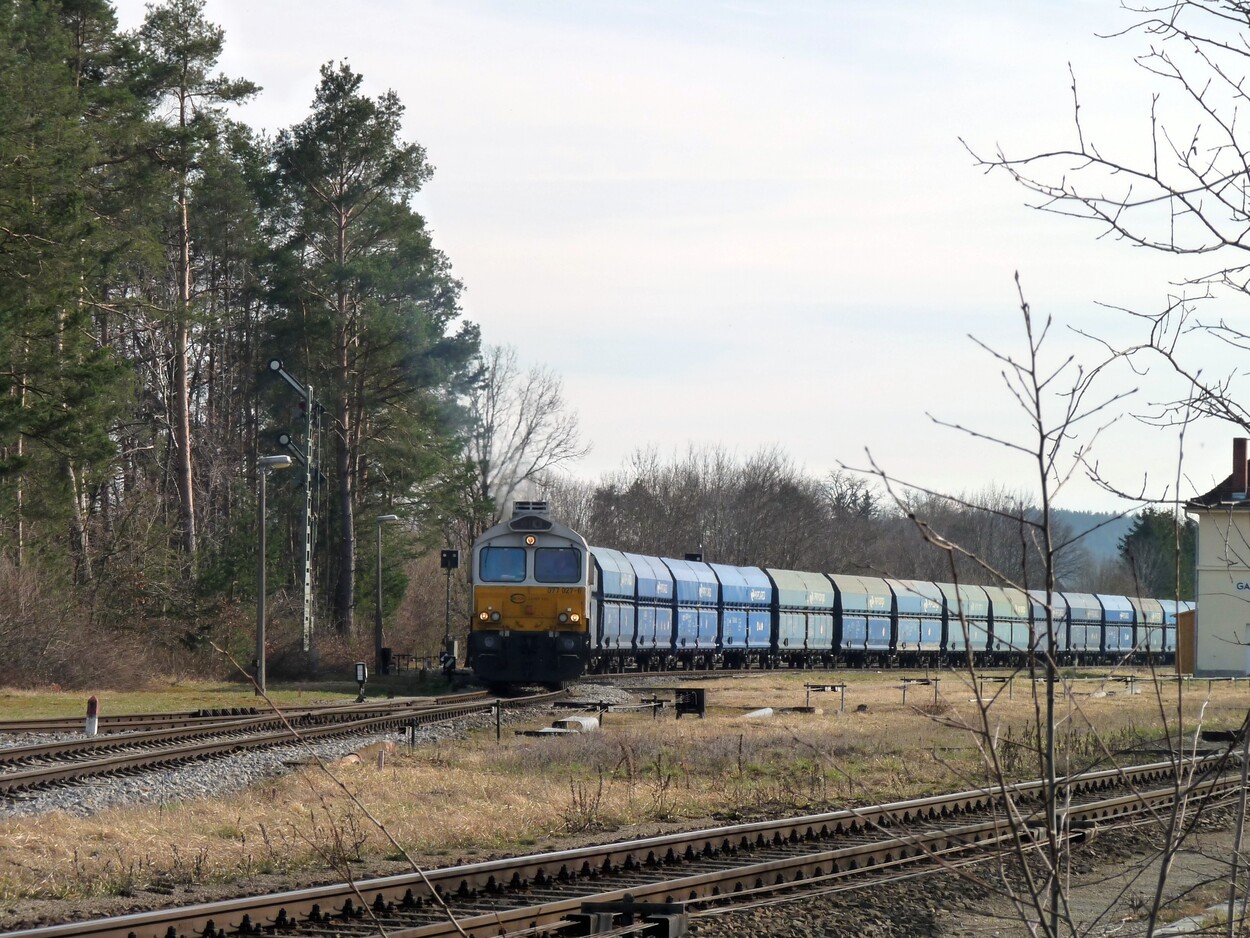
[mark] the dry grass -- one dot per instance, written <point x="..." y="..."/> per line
<point x="479" y="796"/>
<point x="162" y="697"/>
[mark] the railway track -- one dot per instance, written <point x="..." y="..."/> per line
<point x="546" y="894"/>
<point x="133" y="722"/>
<point x="23" y="768"/>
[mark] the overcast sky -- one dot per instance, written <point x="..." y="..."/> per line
<point x="747" y="224"/>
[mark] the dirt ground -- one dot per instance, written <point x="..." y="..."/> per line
<point x="1109" y="896"/>
<point x="1114" y="886"/>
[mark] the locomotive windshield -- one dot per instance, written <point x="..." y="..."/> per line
<point x="557" y="565"/>
<point x="501" y="564"/>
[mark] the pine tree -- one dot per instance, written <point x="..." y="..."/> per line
<point x="1150" y="550"/>
<point x="180" y="49"/>
<point x="61" y="388"/>
<point x="370" y="304"/>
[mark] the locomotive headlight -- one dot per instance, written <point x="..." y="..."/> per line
<point x="562" y="618"/>
<point x="530" y="540"/>
<point x="575" y="618"/>
<point x="494" y="616"/>
<point x="483" y="616"/>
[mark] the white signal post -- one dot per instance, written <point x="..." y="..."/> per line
<point x="309" y="460"/>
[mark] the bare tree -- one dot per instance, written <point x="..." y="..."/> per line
<point x="1183" y="194"/>
<point x="572" y="500"/>
<point x="1056" y="403"/>
<point x="762" y="510"/>
<point x="521" y="429"/>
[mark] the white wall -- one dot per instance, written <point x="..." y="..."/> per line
<point x="1222" y="627"/>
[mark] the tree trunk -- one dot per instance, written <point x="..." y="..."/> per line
<point x="345" y="588"/>
<point x="183" y="476"/>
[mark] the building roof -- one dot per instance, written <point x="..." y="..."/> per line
<point x="1222" y="496"/>
<point x="1231" y="493"/>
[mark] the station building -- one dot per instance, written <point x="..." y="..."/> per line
<point x="1222" y="585"/>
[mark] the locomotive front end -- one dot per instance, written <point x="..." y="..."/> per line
<point x="531" y="601"/>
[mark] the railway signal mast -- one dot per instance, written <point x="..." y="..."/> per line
<point x="308" y="458"/>
<point x="449" y="560"/>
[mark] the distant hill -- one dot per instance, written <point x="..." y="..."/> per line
<point x="1103" y="542"/>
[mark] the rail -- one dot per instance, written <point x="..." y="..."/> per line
<point x="732" y="863"/>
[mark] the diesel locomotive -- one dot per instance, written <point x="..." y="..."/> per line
<point x="531" y="601"/>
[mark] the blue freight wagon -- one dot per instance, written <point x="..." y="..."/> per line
<point x="1149" y="613"/>
<point x="1119" y="619"/>
<point x="1009" y="622"/>
<point x="920" y="609"/>
<point x="1171" y="608"/>
<point x="696" y="611"/>
<point x="803" y="611"/>
<point x="653" y="639"/>
<point x="1084" y="627"/>
<point x="967" y="621"/>
<point x="1058" y="622"/>
<point x="864" y="611"/>
<point x="613" y="601"/>
<point x="746" y="621"/>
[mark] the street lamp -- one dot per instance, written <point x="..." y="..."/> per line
<point x="377" y="612"/>
<point x="267" y="464"/>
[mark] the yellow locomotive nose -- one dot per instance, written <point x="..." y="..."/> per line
<point x="531" y="600"/>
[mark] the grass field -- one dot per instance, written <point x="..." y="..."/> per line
<point x="475" y="796"/>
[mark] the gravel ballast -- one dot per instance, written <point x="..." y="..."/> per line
<point x="230" y="773"/>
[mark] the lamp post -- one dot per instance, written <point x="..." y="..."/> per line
<point x="267" y="464"/>
<point x="377" y="611"/>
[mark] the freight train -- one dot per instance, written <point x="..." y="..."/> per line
<point x="547" y="608"/>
